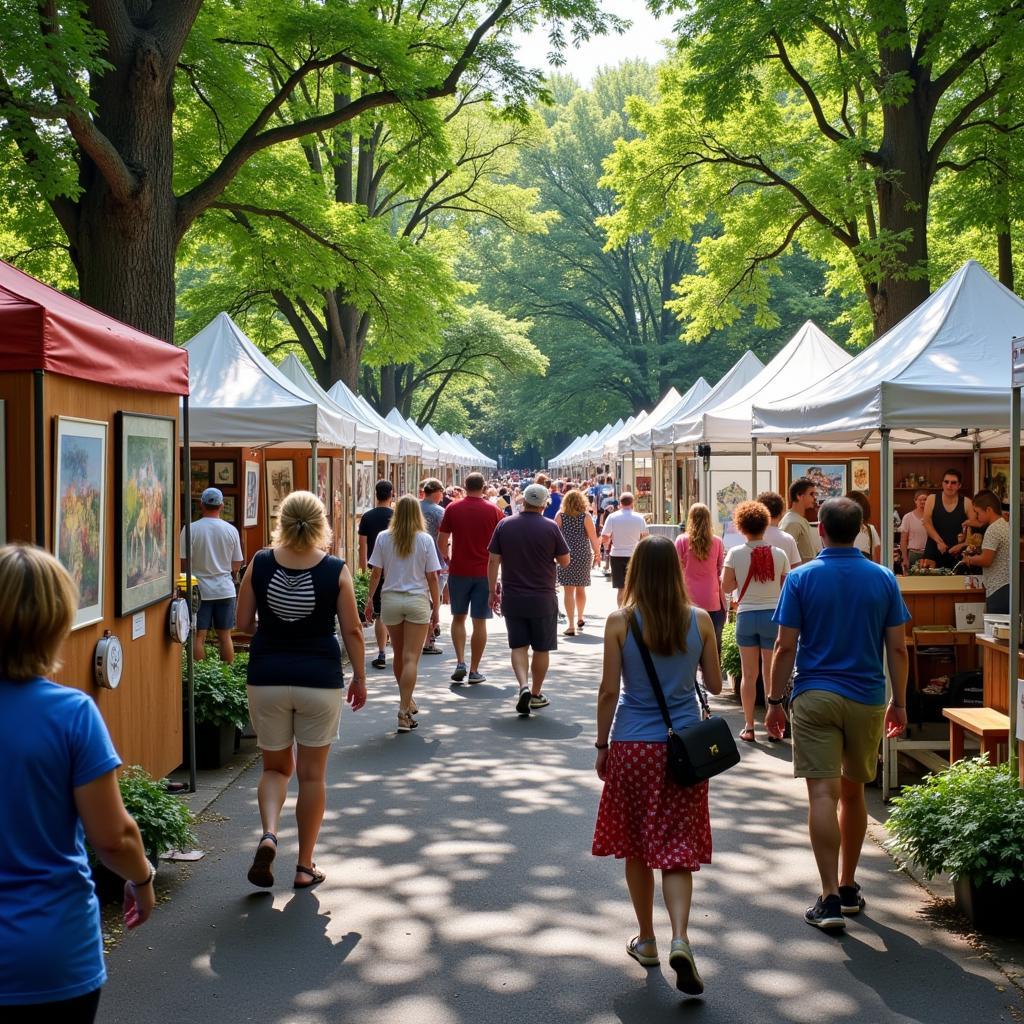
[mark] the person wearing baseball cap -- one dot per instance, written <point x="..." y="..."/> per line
<point x="216" y="558"/>
<point x="525" y="549"/>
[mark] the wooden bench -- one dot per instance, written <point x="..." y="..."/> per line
<point x="990" y="726"/>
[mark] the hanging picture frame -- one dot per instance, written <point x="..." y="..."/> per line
<point x="223" y="474"/>
<point x="80" y="502"/>
<point x="252" y="494"/>
<point x="860" y="475"/>
<point x="227" y="512"/>
<point x="280" y="483"/>
<point x="145" y="509"/>
<point x="830" y="478"/>
<point x="323" y="481"/>
<point x="200" y="473"/>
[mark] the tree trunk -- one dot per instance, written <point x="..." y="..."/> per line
<point x="348" y="328"/>
<point x="1003" y="244"/>
<point x="124" y="251"/>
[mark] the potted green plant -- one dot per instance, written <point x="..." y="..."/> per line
<point x="221" y="708"/>
<point x="968" y="822"/>
<point x="163" y="819"/>
<point x="731" y="665"/>
<point x="361" y="582"/>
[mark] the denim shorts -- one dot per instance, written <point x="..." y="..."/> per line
<point x="756" y="629"/>
<point x="468" y="595"/>
<point x="219" y="614"/>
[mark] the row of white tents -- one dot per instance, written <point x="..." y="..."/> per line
<point x="238" y="397"/>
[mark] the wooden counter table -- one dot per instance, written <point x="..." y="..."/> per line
<point x="995" y="668"/>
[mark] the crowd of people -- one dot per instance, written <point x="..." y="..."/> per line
<point x="817" y="617"/>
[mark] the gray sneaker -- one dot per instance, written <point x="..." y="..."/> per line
<point x="523" y="704"/>
<point x="476" y="677"/>
<point x="540" y="701"/>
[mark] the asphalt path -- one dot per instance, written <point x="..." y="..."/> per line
<point x="461" y="889"/>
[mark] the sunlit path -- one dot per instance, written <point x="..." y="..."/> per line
<point x="461" y="889"/>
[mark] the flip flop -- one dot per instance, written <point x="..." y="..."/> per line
<point x="747" y="734"/>
<point x="633" y="949"/>
<point x="260" y="873"/>
<point x="314" y="873"/>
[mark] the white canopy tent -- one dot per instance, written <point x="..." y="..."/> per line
<point x="238" y="397"/>
<point x="430" y="453"/>
<point x="565" y="457"/>
<point x="485" y="461"/>
<point x="595" y="452"/>
<point x="691" y="398"/>
<point x="449" y="451"/>
<point x="638" y="440"/>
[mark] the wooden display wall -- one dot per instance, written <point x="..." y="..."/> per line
<point x="825" y="460"/>
<point x="144" y="712"/>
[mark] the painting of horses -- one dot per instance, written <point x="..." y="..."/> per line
<point x="145" y="510"/>
<point x="80" y="501"/>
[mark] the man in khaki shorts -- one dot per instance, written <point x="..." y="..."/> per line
<point x="843" y="609"/>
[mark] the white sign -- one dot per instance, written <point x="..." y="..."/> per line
<point x="138" y="625"/>
<point x="1017" y="363"/>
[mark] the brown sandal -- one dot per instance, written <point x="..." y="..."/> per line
<point x="314" y="873"/>
<point x="260" y="873"/>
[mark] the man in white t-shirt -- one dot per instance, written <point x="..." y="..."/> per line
<point x="803" y="496"/>
<point x="623" y="530"/>
<point x="776" y="537"/>
<point x="216" y="558"/>
<point x="994" y="558"/>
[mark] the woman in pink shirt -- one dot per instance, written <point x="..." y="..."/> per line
<point x="702" y="554"/>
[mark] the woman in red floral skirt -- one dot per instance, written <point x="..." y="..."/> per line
<point x="645" y="817"/>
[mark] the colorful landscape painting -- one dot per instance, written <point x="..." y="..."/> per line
<point x="79" y="515"/>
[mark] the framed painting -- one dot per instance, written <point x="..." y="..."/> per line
<point x="364" y="488"/>
<point x="200" y="476"/>
<point x="860" y="475"/>
<point x="280" y="483"/>
<point x="998" y="476"/>
<point x="3" y="475"/>
<point x="323" y="481"/>
<point x="80" y="501"/>
<point x="227" y="513"/>
<point x="251" y="496"/>
<point x="223" y="474"/>
<point x="830" y="478"/>
<point x="145" y="510"/>
<point x="730" y="487"/>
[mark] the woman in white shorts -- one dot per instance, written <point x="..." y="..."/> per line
<point x="291" y="595"/>
<point x="406" y="555"/>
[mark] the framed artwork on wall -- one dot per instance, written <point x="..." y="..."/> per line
<point x="200" y="476"/>
<point x="997" y="473"/>
<point x="223" y="474"/>
<point x="227" y="513"/>
<point x="252" y="494"/>
<point x="145" y="510"/>
<point x="280" y="483"/>
<point x="323" y="481"/>
<point x="860" y="475"/>
<point x="730" y="487"/>
<point x="80" y="501"/>
<point x="831" y="478"/>
<point x="364" y="487"/>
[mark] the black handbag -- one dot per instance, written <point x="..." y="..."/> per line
<point x="700" y="751"/>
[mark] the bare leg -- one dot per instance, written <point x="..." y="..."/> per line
<point x="570" y="606"/>
<point x="750" y="660"/>
<point x="521" y="664"/>
<point x="199" y="645"/>
<point x="459" y="638"/>
<point x="538" y="670"/>
<point x="397" y="654"/>
<point x="853" y="825"/>
<point x="677" y="889"/>
<point x="309" y="808"/>
<point x="767" y="656"/>
<point x="380" y="634"/>
<point x="581" y="602"/>
<point x="823" y="825"/>
<point x="225" y="645"/>
<point x="272" y="791"/>
<point x="640" y="882"/>
<point x="413" y="636"/>
<point x="477" y="643"/>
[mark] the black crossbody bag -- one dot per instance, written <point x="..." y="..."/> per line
<point x="699" y="751"/>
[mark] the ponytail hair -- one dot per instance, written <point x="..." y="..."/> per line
<point x="302" y="523"/>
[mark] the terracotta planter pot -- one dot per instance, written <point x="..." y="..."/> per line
<point x="990" y="907"/>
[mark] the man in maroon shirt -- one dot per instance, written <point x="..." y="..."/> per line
<point x="462" y="540"/>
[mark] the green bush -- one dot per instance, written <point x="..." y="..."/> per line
<point x="361" y="580"/>
<point x="219" y="689"/>
<point x="164" y="821"/>
<point x="967" y="821"/>
<point x="731" y="664"/>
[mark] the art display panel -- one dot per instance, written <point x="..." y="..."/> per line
<point x="145" y="510"/>
<point x="80" y="499"/>
<point x="280" y="483"/>
<point x="830" y="478"/>
<point x="252" y="494"/>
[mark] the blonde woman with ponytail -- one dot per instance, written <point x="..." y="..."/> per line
<point x="289" y="599"/>
<point x="702" y="555"/>
<point x="406" y="556"/>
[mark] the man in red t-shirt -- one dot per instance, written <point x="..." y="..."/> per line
<point x="463" y="541"/>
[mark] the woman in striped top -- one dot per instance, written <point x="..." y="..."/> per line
<point x="291" y="595"/>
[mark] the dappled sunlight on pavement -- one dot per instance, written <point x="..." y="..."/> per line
<point x="461" y="890"/>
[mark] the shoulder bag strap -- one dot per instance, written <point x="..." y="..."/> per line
<point x="652" y="673"/>
<point x="750" y="574"/>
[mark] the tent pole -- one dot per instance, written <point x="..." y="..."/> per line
<point x="673" y="516"/>
<point x="314" y="476"/>
<point x="977" y="460"/>
<point x="1014" y="643"/>
<point x="888" y="746"/>
<point x="753" y="468"/>
<point x="190" y="658"/>
<point x="353" y="546"/>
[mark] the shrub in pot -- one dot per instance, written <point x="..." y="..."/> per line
<point x="968" y="822"/>
<point x="731" y="665"/>
<point x="163" y="819"/>
<point x="221" y="708"/>
<point x="361" y="582"/>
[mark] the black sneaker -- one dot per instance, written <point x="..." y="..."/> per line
<point x="432" y="648"/>
<point x="827" y="914"/>
<point x="380" y="661"/>
<point x="460" y="672"/>
<point x="524" y="702"/>
<point x="850" y="899"/>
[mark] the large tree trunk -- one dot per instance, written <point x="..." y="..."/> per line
<point x="1005" y="248"/>
<point x="124" y="251"/>
<point x="348" y="328"/>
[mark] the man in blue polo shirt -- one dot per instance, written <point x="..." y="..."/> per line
<point x="843" y="609"/>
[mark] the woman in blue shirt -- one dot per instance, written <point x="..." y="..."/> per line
<point x="645" y="817"/>
<point x="60" y="787"/>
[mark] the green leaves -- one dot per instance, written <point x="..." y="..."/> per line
<point x="219" y="691"/>
<point x="163" y="819"/>
<point x="967" y="821"/>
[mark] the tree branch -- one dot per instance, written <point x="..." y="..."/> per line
<point x="826" y="129"/>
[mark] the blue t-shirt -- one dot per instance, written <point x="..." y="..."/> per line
<point x="53" y="740"/>
<point x="637" y="716"/>
<point x="842" y="603"/>
<point x="553" y="505"/>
